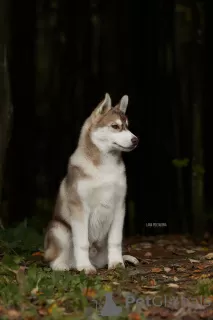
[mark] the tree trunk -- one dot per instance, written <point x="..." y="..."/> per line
<point x="23" y="161"/>
<point x="5" y="101"/>
<point x="197" y="106"/>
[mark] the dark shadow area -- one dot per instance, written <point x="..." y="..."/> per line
<point x="62" y="57"/>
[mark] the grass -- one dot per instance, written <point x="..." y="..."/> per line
<point x="204" y="287"/>
<point x="29" y="289"/>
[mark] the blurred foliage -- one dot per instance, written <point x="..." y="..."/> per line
<point x="180" y="163"/>
<point x="198" y="169"/>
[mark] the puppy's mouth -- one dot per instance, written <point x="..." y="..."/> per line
<point x="125" y="148"/>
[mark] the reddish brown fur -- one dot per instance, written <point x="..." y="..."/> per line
<point x="97" y="121"/>
<point x="74" y="174"/>
<point x="111" y="116"/>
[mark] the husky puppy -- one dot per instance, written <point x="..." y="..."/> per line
<point x="86" y="230"/>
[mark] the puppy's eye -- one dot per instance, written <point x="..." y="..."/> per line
<point x="115" y="126"/>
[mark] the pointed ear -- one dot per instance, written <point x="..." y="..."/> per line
<point x="104" y="106"/>
<point x="123" y="103"/>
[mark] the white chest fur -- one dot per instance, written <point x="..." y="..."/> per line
<point x="100" y="194"/>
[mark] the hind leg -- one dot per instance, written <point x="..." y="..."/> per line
<point x="60" y="243"/>
<point x="62" y="262"/>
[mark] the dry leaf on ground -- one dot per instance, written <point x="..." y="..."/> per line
<point x="148" y="254"/>
<point x="209" y="256"/>
<point x="156" y="270"/>
<point x="194" y="261"/>
<point x="152" y="282"/>
<point x="173" y="285"/>
<point x="190" y="251"/>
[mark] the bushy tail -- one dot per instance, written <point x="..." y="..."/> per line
<point x="130" y="259"/>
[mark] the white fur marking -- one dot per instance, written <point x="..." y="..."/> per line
<point x="81" y="244"/>
<point x="105" y="138"/>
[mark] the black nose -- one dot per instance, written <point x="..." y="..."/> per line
<point x="135" y="141"/>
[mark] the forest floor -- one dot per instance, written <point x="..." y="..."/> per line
<point x="174" y="280"/>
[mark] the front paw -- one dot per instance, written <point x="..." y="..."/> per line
<point x="88" y="269"/>
<point x="60" y="266"/>
<point x="116" y="264"/>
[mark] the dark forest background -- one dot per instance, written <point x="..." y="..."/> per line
<point x="59" y="58"/>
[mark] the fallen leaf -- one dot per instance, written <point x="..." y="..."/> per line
<point x="53" y="307"/>
<point x="43" y="312"/>
<point x="204" y="276"/>
<point x="173" y="285"/>
<point x="106" y="287"/>
<point x="89" y="292"/>
<point x="195" y="277"/>
<point x="206" y="314"/>
<point x="50" y="309"/>
<point x="209" y="256"/>
<point x="146" y="245"/>
<point x="202" y="266"/>
<point x="148" y="254"/>
<point x="37" y="254"/>
<point x="146" y="261"/>
<point x="190" y="251"/>
<point x="150" y="287"/>
<point x="134" y="246"/>
<point x="152" y="312"/>
<point x="13" y="314"/>
<point x="134" y="316"/>
<point x="133" y="273"/>
<point x="170" y="247"/>
<point x="152" y="282"/>
<point x="36" y="292"/>
<point x="201" y="249"/>
<point x="156" y="270"/>
<point x="167" y="269"/>
<point x="181" y="269"/>
<point x="176" y="279"/>
<point x="194" y="261"/>
<point x="162" y="242"/>
<point x="149" y="292"/>
<point x="207" y="300"/>
<point x="164" y="314"/>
